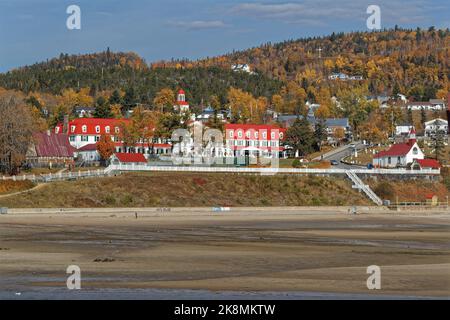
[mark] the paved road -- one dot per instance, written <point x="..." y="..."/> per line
<point x="346" y="151"/>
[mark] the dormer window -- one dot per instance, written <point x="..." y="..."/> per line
<point x="72" y="129"/>
<point x="231" y="134"/>
<point x="97" y="129"/>
<point x="107" y="129"/>
<point x="117" y="130"/>
<point x="240" y="134"/>
<point x="264" y="135"/>
<point x="272" y="135"/>
<point x="84" y="129"/>
<point x="415" y="151"/>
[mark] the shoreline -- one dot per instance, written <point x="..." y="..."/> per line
<point x="306" y="250"/>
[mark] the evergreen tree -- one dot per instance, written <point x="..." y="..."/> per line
<point x="115" y="98"/>
<point x="102" y="108"/>
<point x="301" y="137"/>
<point x="320" y="133"/>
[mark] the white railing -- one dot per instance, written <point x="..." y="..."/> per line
<point x="59" y="176"/>
<point x="133" y="167"/>
<point x="360" y="185"/>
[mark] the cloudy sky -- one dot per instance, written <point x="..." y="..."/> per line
<point x="34" y="30"/>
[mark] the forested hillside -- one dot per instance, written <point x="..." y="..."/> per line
<point x="108" y="71"/>
<point x="414" y="62"/>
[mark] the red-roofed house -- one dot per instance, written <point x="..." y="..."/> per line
<point x="426" y="164"/>
<point x="128" y="158"/>
<point x="400" y="154"/>
<point x="256" y="140"/>
<point x="50" y="149"/>
<point x="86" y="132"/>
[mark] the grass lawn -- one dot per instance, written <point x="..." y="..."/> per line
<point x="191" y="190"/>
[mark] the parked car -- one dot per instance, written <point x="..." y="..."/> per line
<point x="334" y="162"/>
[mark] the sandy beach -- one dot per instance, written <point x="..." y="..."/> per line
<point x="246" y="250"/>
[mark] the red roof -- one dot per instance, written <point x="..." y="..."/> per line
<point x="89" y="147"/>
<point x="181" y="91"/>
<point x="400" y="149"/>
<point x="256" y="128"/>
<point x="182" y="103"/>
<point x="52" y="145"/>
<point x="91" y="124"/>
<point x="131" y="157"/>
<point x="429" y="163"/>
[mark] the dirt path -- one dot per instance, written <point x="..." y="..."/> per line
<point x="37" y="187"/>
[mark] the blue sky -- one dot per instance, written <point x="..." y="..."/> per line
<point x="34" y="30"/>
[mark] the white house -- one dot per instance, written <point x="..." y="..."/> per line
<point x="433" y="104"/>
<point x="436" y="126"/>
<point x="241" y="67"/>
<point x="403" y="130"/>
<point x="400" y="154"/>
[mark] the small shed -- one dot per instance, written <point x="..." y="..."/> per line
<point x="128" y="158"/>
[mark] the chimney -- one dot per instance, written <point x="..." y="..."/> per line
<point x="66" y="125"/>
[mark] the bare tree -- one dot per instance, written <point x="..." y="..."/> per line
<point x="16" y="129"/>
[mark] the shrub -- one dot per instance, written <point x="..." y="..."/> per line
<point x="296" y="163"/>
<point x="385" y="190"/>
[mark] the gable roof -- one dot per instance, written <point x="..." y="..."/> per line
<point x="89" y="147"/>
<point x="400" y="149"/>
<point x="131" y="157"/>
<point x="52" y="145"/>
<point x="429" y="163"/>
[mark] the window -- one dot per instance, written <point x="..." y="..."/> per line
<point x="281" y="135"/>
<point x="97" y="129"/>
<point x="116" y="129"/>
<point x="72" y="138"/>
<point x="240" y="134"/>
<point x="72" y="129"/>
<point x="231" y="134"/>
<point x="389" y="160"/>
<point x="415" y="151"/>
<point x="85" y="138"/>
<point x="107" y="129"/>
<point x="97" y="138"/>
<point x="247" y="134"/>
<point x="272" y="135"/>
<point x="57" y="130"/>
<point x="264" y="135"/>
<point x="84" y="129"/>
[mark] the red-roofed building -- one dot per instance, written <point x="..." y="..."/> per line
<point x="428" y="164"/>
<point x="128" y="158"/>
<point x="399" y="154"/>
<point x="181" y="105"/>
<point x="49" y="149"/>
<point x="84" y="133"/>
<point x="254" y="140"/>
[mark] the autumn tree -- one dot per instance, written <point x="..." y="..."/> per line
<point x="164" y="100"/>
<point x="15" y="133"/>
<point x="105" y="147"/>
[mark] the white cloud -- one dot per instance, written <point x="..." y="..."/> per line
<point x="198" y="25"/>
<point x="329" y="11"/>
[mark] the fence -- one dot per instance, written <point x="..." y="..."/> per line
<point x="133" y="167"/>
<point x="50" y="177"/>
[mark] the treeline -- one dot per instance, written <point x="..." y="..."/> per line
<point x="413" y="62"/>
<point x="108" y="71"/>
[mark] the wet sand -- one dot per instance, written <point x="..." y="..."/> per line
<point x="192" y="253"/>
